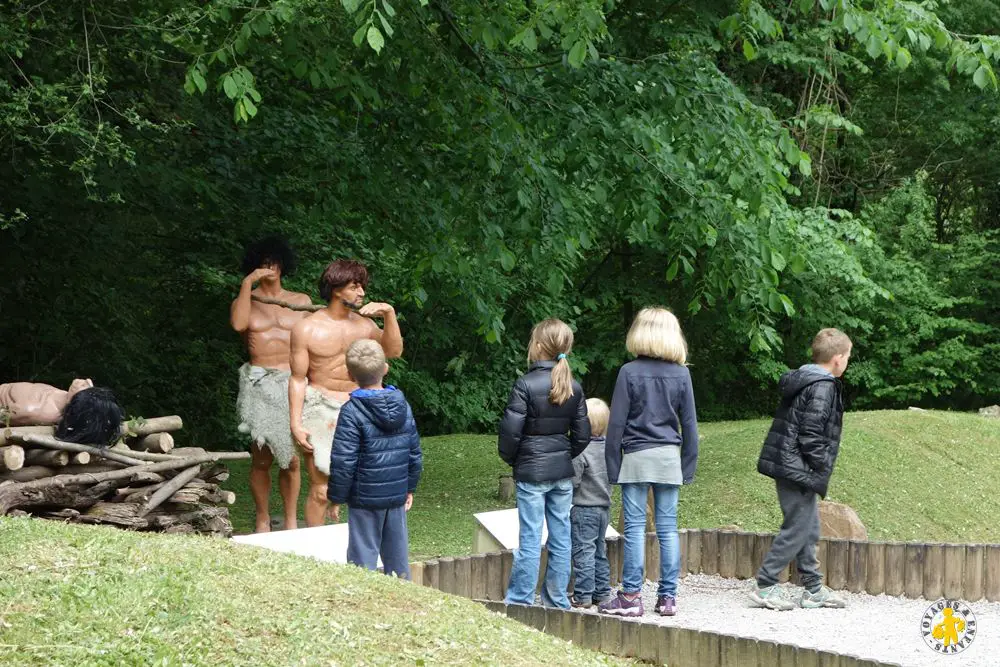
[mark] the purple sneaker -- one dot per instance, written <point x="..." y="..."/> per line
<point x="620" y="605"/>
<point x="666" y="605"/>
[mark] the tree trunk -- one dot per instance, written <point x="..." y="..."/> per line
<point x="42" y="457"/>
<point x="144" y="427"/>
<point x="11" y="458"/>
<point x="158" y="443"/>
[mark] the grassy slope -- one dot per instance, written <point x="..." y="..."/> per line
<point x="918" y="476"/>
<point x="76" y="595"/>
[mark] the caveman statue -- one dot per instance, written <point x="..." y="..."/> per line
<point x="262" y="403"/>
<point x="83" y="414"/>
<point x="320" y="384"/>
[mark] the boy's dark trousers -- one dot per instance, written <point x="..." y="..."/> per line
<point x="591" y="571"/>
<point x="374" y="533"/>
<point x="797" y="538"/>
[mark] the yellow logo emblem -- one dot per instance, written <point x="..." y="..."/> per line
<point x="948" y="626"/>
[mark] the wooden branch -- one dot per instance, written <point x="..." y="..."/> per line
<point x="47" y="457"/>
<point x="11" y="458"/>
<point x="25" y="430"/>
<point x="80" y="458"/>
<point x="143" y="427"/>
<point x="27" y="474"/>
<point x="149" y="456"/>
<point x="160" y="443"/>
<point x="169" y="489"/>
<point x="50" y="442"/>
<point x="311" y="308"/>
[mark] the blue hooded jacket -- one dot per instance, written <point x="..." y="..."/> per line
<point x="376" y="458"/>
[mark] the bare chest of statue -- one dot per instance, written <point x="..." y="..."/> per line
<point x="269" y="333"/>
<point x="328" y="349"/>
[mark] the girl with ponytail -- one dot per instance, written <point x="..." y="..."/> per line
<point x="544" y="427"/>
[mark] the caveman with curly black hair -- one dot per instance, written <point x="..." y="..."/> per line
<point x="262" y="403"/>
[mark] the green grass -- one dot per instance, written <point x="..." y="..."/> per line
<point x="82" y="596"/>
<point x="914" y="476"/>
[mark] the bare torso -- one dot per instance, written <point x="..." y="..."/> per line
<point x="269" y="332"/>
<point x="28" y="403"/>
<point x="328" y="342"/>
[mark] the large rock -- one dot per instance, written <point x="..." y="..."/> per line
<point x="839" y="520"/>
<point x="993" y="411"/>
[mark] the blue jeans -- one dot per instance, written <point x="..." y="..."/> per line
<point x="551" y="500"/>
<point x="634" y="506"/>
<point x="374" y="533"/>
<point x="590" y="554"/>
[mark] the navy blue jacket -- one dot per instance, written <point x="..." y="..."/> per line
<point x="653" y="406"/>
<point x="376" y="458"/>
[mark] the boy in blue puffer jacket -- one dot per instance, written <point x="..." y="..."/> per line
<point x="375" y="464"/>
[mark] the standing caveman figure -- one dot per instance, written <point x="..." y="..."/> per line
<point x="263" y="398"/>
<point x="320" y="384"/>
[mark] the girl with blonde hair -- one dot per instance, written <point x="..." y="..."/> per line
<point x="652" y="442"/>
<point x="543" y="429"/>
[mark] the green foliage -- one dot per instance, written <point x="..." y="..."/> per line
<point x="496" y="164"/>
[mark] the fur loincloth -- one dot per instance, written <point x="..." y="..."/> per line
<point x="319" y="418"/>
<point x="262" y="405"/>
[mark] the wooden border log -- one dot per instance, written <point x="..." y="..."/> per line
<point x="875" y="576"/>
<point x="838" y="556"/>
<point x="682" y="544"/>
<point x="991" y="581"/>
<point x="168" y="489"/>
<point x="761" y="545"/>
<point x="974" y="579"/>
<point x="54" y="458"/>
<point x="158" y="443"/>
<point x="143" y="427"/>
<point x="745" y="566"/>
<point x="478" y="577"/>
<point x="727" y="554"/>
<point x="933" y="571"/>
<point x="857" y="566"/>
<point x="431" y="574"/>
<point x="50" y="442"/>
<point x="694" y="551"/>
<point x="12" y="458"/>
<point x="496" y="587"/>
<point x="895" y="568"/>
<point x="710" y="551"/>
<point x="954" y="571"/>
<point x="913" y="576"/>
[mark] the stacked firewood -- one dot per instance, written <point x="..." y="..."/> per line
<point x="141" y="483"/>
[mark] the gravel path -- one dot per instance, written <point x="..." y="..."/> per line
<point x="874" y="627"/>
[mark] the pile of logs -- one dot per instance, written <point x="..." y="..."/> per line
<point x="141" y="483"/>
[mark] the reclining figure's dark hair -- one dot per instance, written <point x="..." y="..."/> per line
<point x="92" y="417"/>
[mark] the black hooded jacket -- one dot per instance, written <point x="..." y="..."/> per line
<point x="538" y="439"/>
<point x="804" y="439"/>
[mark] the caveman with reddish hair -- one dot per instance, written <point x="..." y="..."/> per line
<point x="320" y="383"/>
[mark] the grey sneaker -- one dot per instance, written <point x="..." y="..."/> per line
<point x="620" y="605"/>
<point x="770" y="597"/>
<point x="824" y="597"/>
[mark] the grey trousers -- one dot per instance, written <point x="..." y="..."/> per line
<point x="374" y="533"/>
<point x="797" y="538"/>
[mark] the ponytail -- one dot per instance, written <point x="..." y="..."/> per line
<point x="562" y="382"/>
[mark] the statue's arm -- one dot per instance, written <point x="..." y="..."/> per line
<point x="299" y="361"/>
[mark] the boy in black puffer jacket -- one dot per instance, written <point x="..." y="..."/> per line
<point x="799" y="453"/>
<point x="375" y="464"/>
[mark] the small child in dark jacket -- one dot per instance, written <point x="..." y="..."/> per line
<point x="375" y="464"/>
<point x="799" y="453"/>
<point x="589" y="518"/>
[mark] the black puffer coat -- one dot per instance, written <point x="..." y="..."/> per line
<point x="538" y="439"/>
<point x="804" y="439"/>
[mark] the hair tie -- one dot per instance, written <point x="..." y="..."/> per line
<point x="560" y="357"/>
